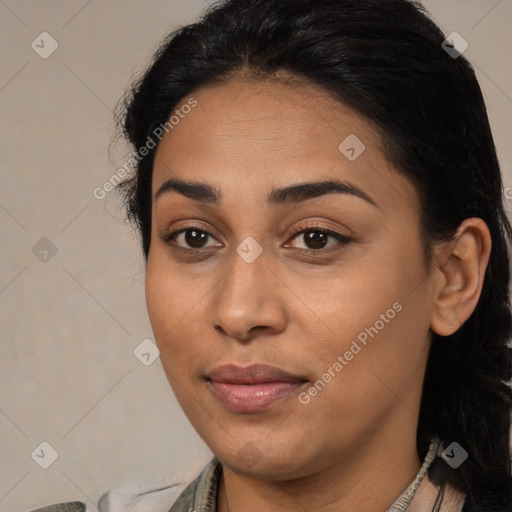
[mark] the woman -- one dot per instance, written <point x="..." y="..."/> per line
<point x="320" y="207"/>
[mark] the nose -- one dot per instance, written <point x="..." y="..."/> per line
<point x="249" y="301"/>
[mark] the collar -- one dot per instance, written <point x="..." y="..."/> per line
<point x="201" y="494"/>
<point x="401" y="504"/>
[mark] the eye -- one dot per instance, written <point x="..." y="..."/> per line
<point x="316" y="238"/>
<point x="190" y="237"/>
<point x="195" y="238"/>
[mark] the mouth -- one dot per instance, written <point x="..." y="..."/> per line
<point x="252" y="388"/>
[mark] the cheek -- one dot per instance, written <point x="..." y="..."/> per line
<point x="378" y="355"/>
<point x="167" y="303"/>
<point x="159" y="299"/>
<point x="353" y="299"/>
<point x="377" y="319"/>
<point x="358" y="385"/>
<point x="176" y="309"/>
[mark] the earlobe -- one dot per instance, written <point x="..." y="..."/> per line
<point x="461" y="265"/>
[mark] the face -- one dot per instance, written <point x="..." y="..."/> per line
<point x="293" y="326"/>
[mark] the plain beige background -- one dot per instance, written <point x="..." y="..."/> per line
<point x="72" y="316"/>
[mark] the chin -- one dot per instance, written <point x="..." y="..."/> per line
<point x="277" y="460"/>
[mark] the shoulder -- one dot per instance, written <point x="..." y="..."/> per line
<point x="165" y="497"/>
<point x="71" y="506"/>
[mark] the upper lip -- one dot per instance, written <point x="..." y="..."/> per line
<point x="253" y="374"/>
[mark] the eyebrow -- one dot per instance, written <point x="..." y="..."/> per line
<point x="205" y="193"/>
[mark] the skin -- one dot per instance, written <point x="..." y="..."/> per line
<point x="353" y="446"/>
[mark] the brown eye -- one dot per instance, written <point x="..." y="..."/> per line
<point x="315" y="239"/>
<point x="192" y="238"/>
<point x="195" y="238"/>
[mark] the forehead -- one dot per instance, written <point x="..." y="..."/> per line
<point x="291" y="119"/>
<point x="261" y="134"/>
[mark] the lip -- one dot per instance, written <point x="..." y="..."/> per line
<point x="252" y="388"/>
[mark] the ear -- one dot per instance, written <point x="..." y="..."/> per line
<point x="461" y="266"/>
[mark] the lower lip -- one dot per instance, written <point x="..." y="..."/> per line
<point x="253" y="397"/>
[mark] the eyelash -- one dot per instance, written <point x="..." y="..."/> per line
<point x="342" y="239"/>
